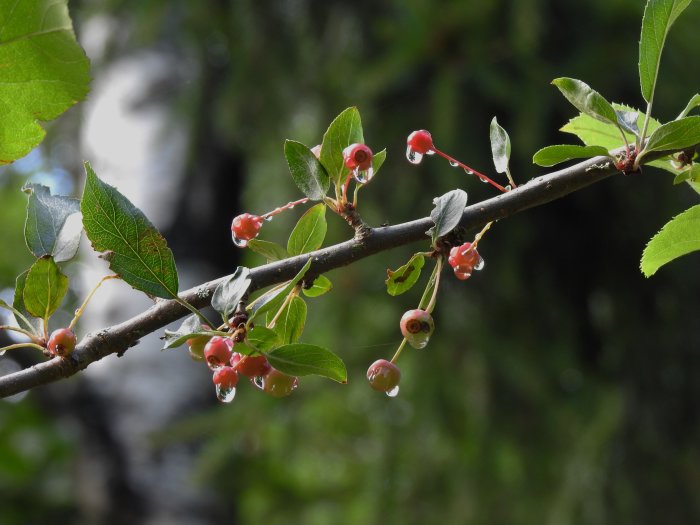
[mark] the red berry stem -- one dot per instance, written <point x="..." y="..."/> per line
<point x="483" y="177"/>
<point x="80" y="310"/>
<point x="287" y="206"/>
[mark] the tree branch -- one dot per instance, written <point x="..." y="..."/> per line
<point x="118" y="338"/>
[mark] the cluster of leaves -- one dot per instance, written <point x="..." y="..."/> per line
<point x="625" y="135"/>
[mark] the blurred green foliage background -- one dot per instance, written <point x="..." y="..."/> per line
<point x="560" y="387"/>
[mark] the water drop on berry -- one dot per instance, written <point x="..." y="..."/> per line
<point x="224" y="394"/>
<point x="241" y="243"/>
<point x="413" y="156"/>
<point x="393" y="392"/>
<point x="363" y="177"/>
<point x="269" y="218"/>
<point x="257" y="381"/>
<point x="430" y="152"/>
<point x="454" y="164"/>
<point x="480" y="265"/>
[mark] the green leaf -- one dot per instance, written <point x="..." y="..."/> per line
<point x="299" y="359"/>
<point x="403" y="278"/>
<point x="53" y="226"/>
<point x="44" y="288"/>
<point x="689" y="174"/>
<point x="345" y="129"/>
<point x="308" y="173"/>
<point x="447" y="213"/>
<point x="675" y="135"/>
<point x="309" y="232"/>
<point x="659" y="16"/>
<point x="628" y="121"/>
<point x="290" y="323"/>
<point x="551" y="155"/>
<point x="135" y="249"/>
<point x="231" y="291"/>
<point x="43" y="72"/>
<point x="277" y="297"/>
<point x="593" y="132"/>
<point x="320" y="286"/>
<point x="681" y="235"/>
<point x="262" y="339"/>
<point x="26" y="320"/>
<point x="270" y="250"/>
<point x="586" y="100"/>
<point x="378" y="160"/>
<point x="500" y="146"/>
<point x="692" y="104"/>
<point x="191" y="327"/>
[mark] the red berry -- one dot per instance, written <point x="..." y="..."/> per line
<point x="278" y="384"/>
<point x="218" y="352"/>
<point x="357" y="156"/>
<point x="420" y="141"/>
<point x="62" y="342"/>
<point x="417" y="326"/>
<point x="250" y="366"/>
<point x="245" y="227"/>
<point x="225" y="379"/>
<point x="464" y="260"/>
<point x="384" y="376"/>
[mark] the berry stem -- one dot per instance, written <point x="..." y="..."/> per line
<point x="510" y="178"/>
<point x="21" y="345"/>
<point x="429" y="288"/>
<point x="399" y="350"/>
<point x="287" y="206"/>
<point x="479" y="235"/>
<point x="436" y="286"/>
<point x="287" y="300"/>
<point x="19" y="316"/>
<point x="80" y="310"/>
<point x="29" y="334"/>
<point x="465" y="167"/>
<point x="345" y="188"/>
<point x="194" y="310"/>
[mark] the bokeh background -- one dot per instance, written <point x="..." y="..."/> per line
<point x="560" y="387"/>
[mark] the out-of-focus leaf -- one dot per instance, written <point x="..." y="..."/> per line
<point x="299" y="359"/>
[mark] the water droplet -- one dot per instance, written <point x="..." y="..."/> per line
<point x="258" y="382"/>
<point x="430" y="152"/>
<point x="509" y="187"/>
<point x="241" y="243"/>
<point x="393" y="392"/>
<point x="454" y="164"/>
<point x="2" y="352"/>
<point x="225" y="395"/>
<point x="291" y="206"/>
<point x="413" y="156"/>
<point x="363" y="177"/>
<point x="480" y="265"/>
<point x="268" y="218"/>
<point x="468" y="171"/>
<point x="483" y="180"/>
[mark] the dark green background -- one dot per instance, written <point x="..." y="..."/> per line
<point x="560" y="387"/>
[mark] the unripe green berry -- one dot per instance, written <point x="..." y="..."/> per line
<point x="278" y="384"/>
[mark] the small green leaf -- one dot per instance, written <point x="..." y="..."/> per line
<point x="675" y="135"/>
<point x="345" y="129"/>
<point x="277" y="297"/>
<point x="53" y="225"/>
<point x="500" y="146"/>
<point x="43" y="71"/>
<point x="308" y="173"/>
<point x="628" y="121"/>
<point x="320" y="286"/>
<point x="263" y="339"/>
<point x="231" y="291"/>
<point x="309" y="232"/>
<point x="403" y="278"/>
<point x="26" y="320"/>
<point x="290" y="323"/>
<point x="551" y="155"/>
<point x="270" y="250"/>
<point x="585" y="99"/>
<point x="299" y="359"/>
<point x="378" y="160"/>
<point x="659" y="16"/>
<point x="135" y="249"/>
<point x="692" y="104"/>
<point x="191" y="327"/>
<point x="447" y="213"/>
<point x="44" y="288"/>
<point x="681" y="235"/>
<point x="689" y="174"/>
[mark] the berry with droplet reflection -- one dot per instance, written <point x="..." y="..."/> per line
<point x="225" y="378"/>
<point x="278" y="384"/>
<point x="251" y="365"/>
<point x="421" y="141"/>
<point x="357" y="156"/>
<point x="245" y="227"/>
<point x="464" y="260"/>
<point x="217" y="352"/>
<point x="62" y="342"/>
<point x="417" y="326"/>
<point x="384" y="376"/>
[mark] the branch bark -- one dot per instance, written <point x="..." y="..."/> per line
<point x="118" y="338"/>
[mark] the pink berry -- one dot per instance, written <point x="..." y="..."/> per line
<point x="62" y="342"/>
<point x="357" y="156"/>
<point x="464" y="260"/>
<point x="226" y="376"/>
<point x="245" y="227"/>
<point x="217" y="352"/>
<point x="278" y="384"/>
<point x="384" y="376"/>
<point x="420" y="141"/>
<point x="250" y="366"/>
<point x="417" y="326"/>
